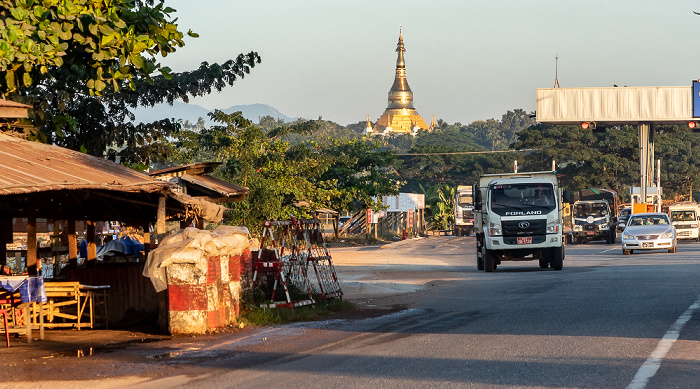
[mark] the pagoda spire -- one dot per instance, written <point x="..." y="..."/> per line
<point x="400" y="94"/>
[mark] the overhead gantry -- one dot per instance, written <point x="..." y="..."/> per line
<point x="644" y="107"/>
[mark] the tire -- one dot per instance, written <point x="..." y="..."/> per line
<point x="626" y="252"/>
<point x="613" y="237"/>
<point x="673" y="249"/>
<point x="544" y="263"/>
<point x="697" y="239"/>
<point x="468" y="232"/>
<point x="489" y="260"/>
<point x="479" y="256"/>
<point x="557" y="260"/>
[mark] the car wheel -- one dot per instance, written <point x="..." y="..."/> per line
<point x="626" y="252"/>
<point x="489" y="260"/>
<point x="557" y="260"/>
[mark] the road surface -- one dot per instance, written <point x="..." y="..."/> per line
<point x="605" y="321"/>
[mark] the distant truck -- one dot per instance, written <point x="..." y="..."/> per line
<point x="464" y="211"/>
<point x="518" y="218"/>
<point x="685" y="216"/>
<point x="594" y="215"/>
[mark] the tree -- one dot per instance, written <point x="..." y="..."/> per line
<point x="72" y="109"/>
<point x="111" y="41"/>
<point x="338" y="174"/>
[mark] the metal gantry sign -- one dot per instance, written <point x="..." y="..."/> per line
<point x="614" y="106"/>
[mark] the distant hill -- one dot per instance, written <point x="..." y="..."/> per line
<point x="193" y="112"/>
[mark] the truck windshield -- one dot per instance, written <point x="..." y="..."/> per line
<point x="522" y="197"/>
<point x="590" y="209"/>
<point x="464" y="200"/>
<point x="682" y="216"/>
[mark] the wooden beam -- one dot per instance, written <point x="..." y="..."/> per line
<point x="5" y="224"/>
<point x="72" y="244"/>
<point x="33" y="265"/>
<point x="90" y="237"/>
<point x="160" y="221"/>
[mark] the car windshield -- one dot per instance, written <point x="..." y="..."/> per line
<point x="464" y="199"/>
<point x="648" y="220"/>
<point x="522" y="197"/>
<point x="590" y="209"/>
<point x="682" y="216"/>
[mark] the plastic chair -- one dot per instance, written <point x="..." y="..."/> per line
<point x="3" y="312"/>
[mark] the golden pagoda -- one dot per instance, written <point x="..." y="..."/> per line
<point x="400" y="117"/>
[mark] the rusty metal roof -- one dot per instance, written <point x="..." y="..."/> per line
<point x="191" y="168"/>
<point x="221" y="190"/>
<point x="29" y="167"/>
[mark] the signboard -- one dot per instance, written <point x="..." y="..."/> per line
<point x="403" y="202"/>
<point x="696" y="99"/>
<point x="372" y="216"/>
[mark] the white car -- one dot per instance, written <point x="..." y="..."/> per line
<point x="649" y="231"/>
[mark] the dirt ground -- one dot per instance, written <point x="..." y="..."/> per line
<point x="377" y="279"/>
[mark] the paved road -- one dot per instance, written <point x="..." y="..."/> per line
<point x="605" y="321"/>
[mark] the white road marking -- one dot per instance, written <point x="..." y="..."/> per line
<point x="605" y="251"/>
<point x="652" y="364"/>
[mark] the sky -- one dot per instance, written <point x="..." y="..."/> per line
<point x="466" y="60"/>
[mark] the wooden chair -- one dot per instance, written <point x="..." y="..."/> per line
<point x="3" y="312"/>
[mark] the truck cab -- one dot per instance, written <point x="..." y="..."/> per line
<point x="518" y="218"/>
<point x="593" y="220"/>
<point x="685" y="217"/>
<point x="464" y="211"/>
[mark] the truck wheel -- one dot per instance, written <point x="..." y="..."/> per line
<point x="544" y="263"/>
<point x="479" y="255"/>
<point x="489" y="260"/>
<point x="613" y="237"/>
<point x="698" y="238"/>
<point x="557" y="260"/>
<point x="468" y="232"/>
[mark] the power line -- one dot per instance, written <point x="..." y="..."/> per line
<point x="470" y="152"/>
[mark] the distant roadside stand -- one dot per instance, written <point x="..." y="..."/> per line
<point x="66" y="189"/>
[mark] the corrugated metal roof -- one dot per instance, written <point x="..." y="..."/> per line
<point x="191" y="168"/>
<point x="29" y="167"/>
<point x="224" y="188"/>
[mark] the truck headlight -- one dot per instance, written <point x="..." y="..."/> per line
<point x="627" y="237"/>
<point x="495" y="229"/>
<point x="603" y="226"/>
<point x="578" y="228"/>
<point x="553" y="229"/>
<point x="667" y="235"/>
<point x="693" y="225"/>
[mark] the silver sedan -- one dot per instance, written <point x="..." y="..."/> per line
<point x="649" y="231"/>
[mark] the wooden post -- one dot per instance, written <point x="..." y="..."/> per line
<point x="72" y="244"/>
<point x="146" y="240"/>
<point x="160" y="221"/>
<point x="33" y="265"/>
<point x="5" y="236"/>
<point x="90" y="237"/>
<point x="55" y="243"/>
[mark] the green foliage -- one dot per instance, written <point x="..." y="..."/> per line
<point x="439" y="204"/>
<point x="112" y="41"/>
<point x="106" y="67"/>
<point x="337" y="174"/>
<point x="263" y="316"/>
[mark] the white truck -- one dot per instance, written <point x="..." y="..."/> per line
<point x="518" y="218"/>
<point x="685" y="216"/>
<point x="464" y="210"/>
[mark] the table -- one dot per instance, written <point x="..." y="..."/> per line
<point x="31" y="291"/>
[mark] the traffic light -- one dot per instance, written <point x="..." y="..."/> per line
<point x="593" y="126"/>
